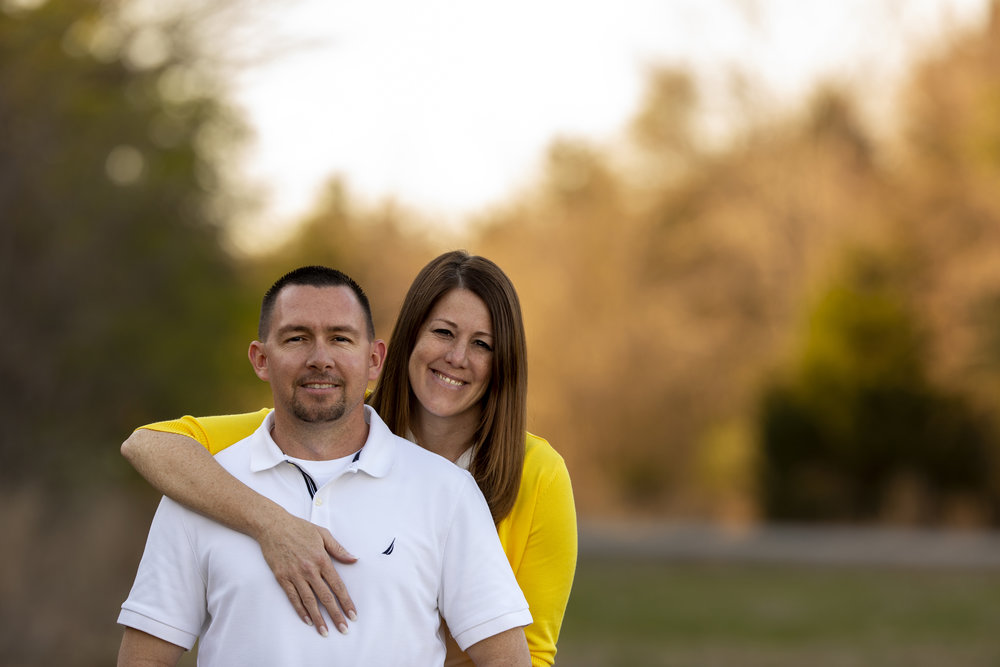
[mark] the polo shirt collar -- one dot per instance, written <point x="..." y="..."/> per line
<point x="379" y="452"/>
<point x="375" y="458"/>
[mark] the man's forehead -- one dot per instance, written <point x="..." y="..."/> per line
<point x="318" y="306"/>
<point x="297" y="293"/>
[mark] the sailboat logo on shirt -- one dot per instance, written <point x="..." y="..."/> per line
<point x="388" y="549"/>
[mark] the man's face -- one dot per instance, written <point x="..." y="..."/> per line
<point x="317" y="356"/>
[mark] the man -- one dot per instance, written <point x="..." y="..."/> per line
<point x="423" y="534"/>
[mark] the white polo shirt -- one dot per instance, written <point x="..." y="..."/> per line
<point x="426" y="547"/>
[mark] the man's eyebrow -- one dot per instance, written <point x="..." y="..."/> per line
<point x="343" y="328"/>
<point x="340" y="328"/>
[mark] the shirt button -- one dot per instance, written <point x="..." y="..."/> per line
<point x="319" y="502"/>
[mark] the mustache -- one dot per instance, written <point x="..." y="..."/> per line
<point x="321" y="379"/>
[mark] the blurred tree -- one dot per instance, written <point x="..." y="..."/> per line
<point x="949" y="211"/>
<point x="674" y="291"/>
<point x="665" y="126"/>
<point x="656" y="301"/>
<point x="381" y="246"/>
<point x="857" y="431"/>
<point x="115" y="278"/>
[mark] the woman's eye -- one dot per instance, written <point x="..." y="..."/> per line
<point x="483" y="344"/>
<point x="442" y="332"/>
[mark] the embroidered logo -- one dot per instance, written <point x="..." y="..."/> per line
<point x="388" y="549"/>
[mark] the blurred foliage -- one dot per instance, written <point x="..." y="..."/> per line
<point x="380" y="247"/>
<point x="666" y="290"/>
<point x="801" y="321"/>
<point x="670" y="295"/>
<point x="665" y="282"/>
<point x="858" y="433"/>
<point x="949" y="212"/>
<point x="671" y="284"/>
<point x="116" y="279"/>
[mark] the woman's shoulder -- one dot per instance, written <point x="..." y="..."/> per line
<point x="546" y="491"/>
<point x="215" y="433"/>
<point x="537" y="446"/>
<point x="541" y="460"/>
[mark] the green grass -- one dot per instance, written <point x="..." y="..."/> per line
<point x="658" y="614"/>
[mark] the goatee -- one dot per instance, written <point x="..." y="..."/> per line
<point x="319" y="414"/>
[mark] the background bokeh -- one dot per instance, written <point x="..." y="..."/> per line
<point x="799" y="324"/>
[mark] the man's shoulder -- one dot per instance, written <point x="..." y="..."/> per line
<point x="236" y="457"/>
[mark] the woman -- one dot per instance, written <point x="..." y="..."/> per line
<point x="455" y="382"/>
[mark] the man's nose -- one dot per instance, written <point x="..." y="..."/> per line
<point x="320" y="357"/>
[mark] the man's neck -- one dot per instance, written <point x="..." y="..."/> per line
<point x="322" y="441"/>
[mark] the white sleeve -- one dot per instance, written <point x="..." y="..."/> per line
<point x="479" y="595"/>
<point x="167" y="599"/>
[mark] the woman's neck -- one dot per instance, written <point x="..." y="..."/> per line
<point x="445" y="436"/>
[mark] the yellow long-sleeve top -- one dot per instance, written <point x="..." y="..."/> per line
<point x="539" y="535"/>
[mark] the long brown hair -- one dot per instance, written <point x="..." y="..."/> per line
<point x="498" y="447"/>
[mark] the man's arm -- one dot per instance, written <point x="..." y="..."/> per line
<point x="297" y="551"/>
<point x="507" y="649"/>
<point x="140" y="649"/>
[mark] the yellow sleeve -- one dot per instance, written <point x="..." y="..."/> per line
<point x="540" y="539"/>
<point x="214" y="433"/>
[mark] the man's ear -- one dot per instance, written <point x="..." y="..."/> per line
<point x="376" y="359"/>
<point x="258" y="359"/>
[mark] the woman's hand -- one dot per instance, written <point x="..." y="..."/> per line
<point x="300" y="554"/>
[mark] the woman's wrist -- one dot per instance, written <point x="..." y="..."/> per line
<point x="262" y="516"/>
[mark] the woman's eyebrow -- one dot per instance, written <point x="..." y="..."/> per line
<point x="455" y="326"/>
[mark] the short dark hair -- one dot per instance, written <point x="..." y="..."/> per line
<point x="313" y="276"/>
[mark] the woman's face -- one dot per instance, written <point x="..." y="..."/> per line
<point x="452" y="358"/>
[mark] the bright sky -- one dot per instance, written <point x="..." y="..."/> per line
<point x="449" y="105"/>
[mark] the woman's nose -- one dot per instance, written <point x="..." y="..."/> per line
<point x="456" y="354"/>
